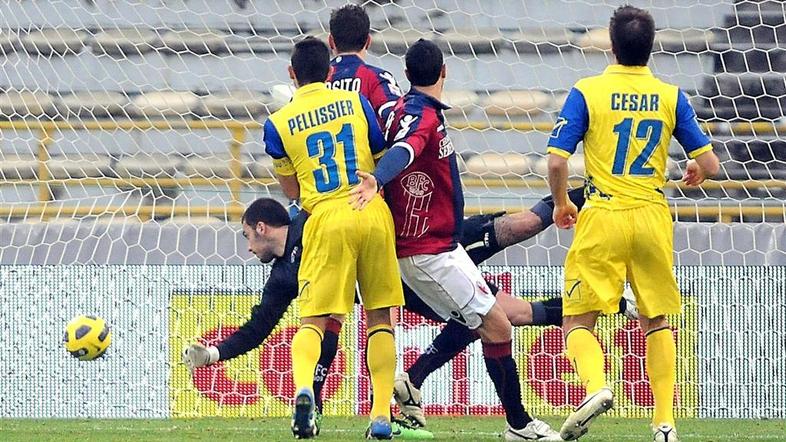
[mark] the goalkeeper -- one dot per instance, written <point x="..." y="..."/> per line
<point x="273" y="237"/>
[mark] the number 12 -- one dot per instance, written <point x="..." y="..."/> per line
<point x="646" y="129"/>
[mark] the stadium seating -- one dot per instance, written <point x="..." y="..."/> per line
<point x="747" y="84"/>
<point x="516" y="103"/>
<point x="493" y="164"/>
<point x="540" y="40"/>
<point x="235" y="104"/>
<point x="18" y="167"/>
<point x="502" y="74"/>
<point x="167" y="104"/>
<point x="26" y="104"/>
<point x="84" y="166"/>
<point x="95" y="104"/>
<point x="147" y="166"/>
<point x="125" y="42"/>
<point x="57" y="41"/>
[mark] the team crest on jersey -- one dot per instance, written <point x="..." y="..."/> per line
<point x="419" y="187"/>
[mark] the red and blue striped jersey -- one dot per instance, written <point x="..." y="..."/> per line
<point x="426" y="199"/>
<point x="351" y="73"/>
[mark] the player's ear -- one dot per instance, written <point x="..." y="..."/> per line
<point x="444" y="72"/>
<point x="331" y="43"/>
<point x="368" y="42"/>
<point x="292" y="76"/>
<point x="260" y="228"/>
<point x="406" y="73"/>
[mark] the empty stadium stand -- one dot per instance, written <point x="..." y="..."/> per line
<point x="175" y="101"/>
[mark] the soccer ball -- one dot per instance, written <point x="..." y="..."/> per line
<point x="87" y="337"/>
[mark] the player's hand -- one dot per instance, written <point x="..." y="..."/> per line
<point x="364" y="192"/>
<point x="197" y="355"/>
<point x="694" y="175"/>
<point x="565" y="216"/>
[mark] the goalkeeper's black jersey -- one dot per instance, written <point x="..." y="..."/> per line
<point x="278" y="292"/>
<point x="281" y="287"/>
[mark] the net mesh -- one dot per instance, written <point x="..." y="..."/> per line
<point x="131" y="135"/>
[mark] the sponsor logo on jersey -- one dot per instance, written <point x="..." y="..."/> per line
<point x="445" y="147"/>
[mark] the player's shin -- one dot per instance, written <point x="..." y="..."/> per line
<point x="661" y="357"/>
<point x="504" y="373"/>
<point x="585" y="353"/>
<point x="381" y="361"/>
<point x="453" y="338"/>
<point x="306" y="348"/>
<point x="328" y="353"/>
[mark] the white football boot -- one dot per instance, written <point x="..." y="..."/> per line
<point x="409" y="400"/>
<point x="577" y="424"/>
<point x="535" y="430"/>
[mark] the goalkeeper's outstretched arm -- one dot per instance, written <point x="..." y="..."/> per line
<point x="276" y="298"/>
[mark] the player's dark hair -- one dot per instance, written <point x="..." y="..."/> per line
<point x="349" y="26"/>
<point x="424" y="63"/>
<point x="266" y="210"/>
<point x="310" y="61"/>
<point x="632" y="32"/>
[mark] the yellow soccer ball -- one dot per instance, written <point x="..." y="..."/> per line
<point x="87" y="337"/>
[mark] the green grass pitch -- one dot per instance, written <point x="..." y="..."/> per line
<point x="469" y="428"/>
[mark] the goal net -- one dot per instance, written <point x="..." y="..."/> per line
<point x="130" y="143"/>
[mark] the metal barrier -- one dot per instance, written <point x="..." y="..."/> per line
<point x="45" y="207"/>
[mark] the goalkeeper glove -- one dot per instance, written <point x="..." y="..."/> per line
<point x="197" y="355"/>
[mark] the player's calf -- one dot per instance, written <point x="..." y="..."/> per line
<point x="495" y="333"/>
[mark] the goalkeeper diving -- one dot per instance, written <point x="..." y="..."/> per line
<point x="273" y="237"/>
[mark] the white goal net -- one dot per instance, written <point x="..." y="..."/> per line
<point x="130" y="144"/>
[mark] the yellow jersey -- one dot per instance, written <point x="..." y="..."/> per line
<point x="324" y="137"/>
<point x="626" y="118"/>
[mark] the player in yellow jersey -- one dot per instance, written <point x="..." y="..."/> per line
<point x="626" y="118"/>
<point x="319" y="141"/>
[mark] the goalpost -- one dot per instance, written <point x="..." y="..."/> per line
<point x="130" y="143"/>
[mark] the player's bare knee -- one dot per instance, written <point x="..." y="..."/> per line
<point x="651" y="324"/>
<point x="517" y="310"/>
<point x="496" y="326"/>
<point x="584" y="320"/>
<point x="339" y="318"/>
<point x="378" y="316"/>
<point x="317" y="321"/>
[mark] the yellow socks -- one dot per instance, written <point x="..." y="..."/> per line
<point x="586" y="355"/>
<point x="662" y="370"/>
<point x="306" y="349"/>
<point x="381" y="361"/>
